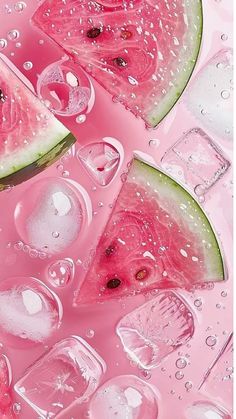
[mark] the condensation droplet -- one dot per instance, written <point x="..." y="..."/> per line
<point x="18" y="44"/>
<point x="16" y="408"/>
<point x="154" y="143"/>
<point x="20" y="6"/>
<point x="13" y="34"/>
<point x="80" y="119"/>
<point x="224" y="294"/>
<point x="132" y="81"/>
<point x="181" y="363"/>
<point x="28" y="65"/>
<point x="198" y="302"/>
<point x="145" y="374"/>
<point x="179" y="375"/>
<point x="55" y="234"/>
<point x="188" y="385"/>
<point x="211" y="341"/>
<point x="225" y="94"/>
<point x="224" y="37"/>
<point x="60" y="273"/>
<point x="3" y="43"/>
<point x="90" y="333"/>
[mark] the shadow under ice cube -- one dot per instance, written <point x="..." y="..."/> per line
<point x="196" y="160"/>
<point x="157" y="328"/>
<point x="69" y="372"/>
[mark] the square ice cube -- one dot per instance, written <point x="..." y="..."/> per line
<point x="196" y="160"/>
<point x="157" y="328"/>
<point x="70" y="371"/>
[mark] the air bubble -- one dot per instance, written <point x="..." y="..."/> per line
<point x="16" y="408"/>
<point x="132" y="81"/>
<point x="145" y="374"/>
<point x="80" y="119"/>
<point x="28" y="65"/>
<point x="90" y="333"/>
<point x="18" y="44"/>
<point x="179" y="375"/>
<point x="3" y="43"/>
<point x="224" y="37"/>
<point x="20" y="6"/>
<point x="154" y="143"/>
<point x="188" y="385"/>
<point x="13" y="35"/>
<point x="198" y="302"/>
<point x="61" y="272"/>
<point x="211" y="341"/>
<point x="225" y="94"/>
<point x="181" y="363"/>
<point x="224" y="294"/>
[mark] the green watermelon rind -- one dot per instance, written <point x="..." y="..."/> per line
<point x="26" y="171"/>
<point x="164" y="184"/>
<point x="173" y="95"/>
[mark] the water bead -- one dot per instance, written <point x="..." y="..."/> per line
<point x="27" y="65"/>
<point x="179" y="375"/>
<point x="19" y="6"/>
<point x="181" y="363"/>
<point x="80" y="119"/>
<point x="61" y="272"/>
<point x="13" y="34"/>
<point x="3" y="43"/>
<point x="211" y="341"/>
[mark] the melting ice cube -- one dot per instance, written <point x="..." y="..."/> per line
<point x="101" y="161"/>
<point x="157" y="328"/>
<point x="65" y="88"/>
<point x="220" y="373"/>
<point x="29" y="311"/>
<point x="206" y="410"/>
<point x="197" y="160"/>
<point x="124" y="397"/>
<point x="69" y="372"/>
<point x="210" y="98"/>
<point x="52" y="220"/>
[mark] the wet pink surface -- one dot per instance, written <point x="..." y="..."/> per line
<point x="213" y="318"/>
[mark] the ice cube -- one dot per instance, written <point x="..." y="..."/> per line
<point x="101" y="161"/>
<point x="52" y="220"/>
<point x="70" y="372"/>
<point x="124" y="397"/>
<point x="197" y="160"/>
<point x="29" y="311"/>
<point x="210" y="97"/>
<point x="206" y="410"/>
<point x="155" y="329"/>
<point x="65" y="89"/>
<point x="219" y="375"/>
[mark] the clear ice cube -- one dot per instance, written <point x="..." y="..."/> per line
<point x="196" y="160"/>
<point x="220" y="373"/>
<point x="155" y="329"/>
<point x="101" y="161"/>
<point x="206" y="410"/>
<point x="210" y="97"/>
<point x="124" y="397"/>
<point x="65" y="89"/>
<point x="52" y="219"/>
<point x="70" y="372"/>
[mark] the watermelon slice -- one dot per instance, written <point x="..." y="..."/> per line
<point x="5" y="396"/>
<point x="157" y="237"/>
<point x="142" y="51"/>
<point x="31" y="138"/>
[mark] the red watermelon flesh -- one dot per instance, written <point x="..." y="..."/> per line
<point x="5" y="396"/>
<point x="157" y="237"/>
<point x="142" y="51"/>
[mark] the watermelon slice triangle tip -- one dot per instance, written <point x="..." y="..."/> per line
<point x="142" y="52"/>
<point x="157" y="237"/>
<point x="31" y="138"/>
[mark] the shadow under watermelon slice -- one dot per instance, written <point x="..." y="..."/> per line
<point x="157" y="237"/>
<point x="31" y="138"/>
<point x="142" y="52"/>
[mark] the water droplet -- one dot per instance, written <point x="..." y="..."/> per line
<point x="65" y="173"/>
<point x="154" y="143"/>
<point x="225" y="94"/>
<point x="123" y="177"/>
<point x="13" y="35"/>
<point x="90" y="333"/>
<point x="224" y="37"/>
<point x="100" y="204"/>
<point x="199" y="190"/>
<point x="60" y="273"/>
<point x="179" y="375"/>
<point x="198" y="302"/>
<point x="188" y="385"/>
<point x="18" y="44"/>
<point x="132" y="81"/>
<point x="20" y="6"/>
<point x="181" y="363"/>
<point x="145" y="374"/>
<point x="16" y="408"/>
<point x="224" y="294"/>
<point x="211" y="341"/>
<point x="55" y="234"/>
<point x="80" y="119"/>
<point x="28" y="65"/>
<point x="3" y="43"/>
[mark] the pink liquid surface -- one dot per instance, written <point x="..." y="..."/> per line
<point x="108" y="119"/>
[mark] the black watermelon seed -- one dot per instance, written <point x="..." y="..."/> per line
<point x="2" y="96"/>
<point x="109" y="250"/>
<point x="120" y="62"/>
<point x="142" y="274"/>
<point x="93" y="33"/>
<point x="113" y="283"/>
